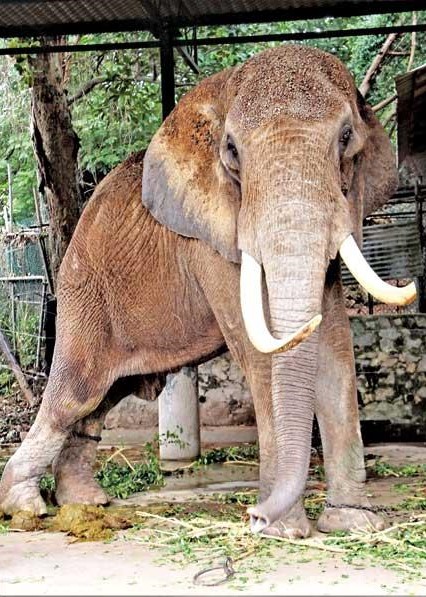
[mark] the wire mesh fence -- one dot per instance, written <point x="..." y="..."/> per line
<point x="23" y="301"/>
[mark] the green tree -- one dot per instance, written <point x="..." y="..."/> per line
<point x="115" y="96"/>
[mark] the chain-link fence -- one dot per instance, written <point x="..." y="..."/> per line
<point x="23" y="300"/>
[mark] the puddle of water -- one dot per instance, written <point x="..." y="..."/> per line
<point x="213" y="474"/>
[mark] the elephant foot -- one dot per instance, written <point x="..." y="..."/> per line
<point x="349" y="519"/>
<point x="80" y="490"/>
<point x="20" y="495"/>
<point x="293" y="526"/>
<point x="73" y="470"/>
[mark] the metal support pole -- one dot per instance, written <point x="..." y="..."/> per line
<point x="167" y="73"/>
<point x="421" y="221"/>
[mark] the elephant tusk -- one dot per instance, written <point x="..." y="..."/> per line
<point x="370" y="281"/>
<point x="254" y="318"/>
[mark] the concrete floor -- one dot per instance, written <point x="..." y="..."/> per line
<point x="48" y="564"/>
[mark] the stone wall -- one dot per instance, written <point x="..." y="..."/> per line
<point x="390" y="353"/>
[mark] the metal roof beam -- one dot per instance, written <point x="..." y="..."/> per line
<point x="213" y="41"/>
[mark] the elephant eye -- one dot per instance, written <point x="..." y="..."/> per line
<point x="230" y="157"/>
<point x="345" y="136"/>
<point x="232" y="149"/>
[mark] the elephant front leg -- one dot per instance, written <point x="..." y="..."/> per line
<point x="337" y="413"/>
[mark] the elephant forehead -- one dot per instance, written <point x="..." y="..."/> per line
<point x="295" y="81"/>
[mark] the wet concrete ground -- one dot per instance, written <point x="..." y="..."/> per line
<point x="48" y="564"/>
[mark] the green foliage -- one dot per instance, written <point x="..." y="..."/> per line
<point x="122" y="111"/>
<point x="16" y="146"/>
<point x="47" y="483"/>
<point x="384" y="469"/>
<point x="26" y="335"/>
<point x="401" y="547"/>
<point x="247" y="452"/>
<point x="413" y="503"/>
<point x="123" y="480"/>
<point x="121" y="114"/>
<point x="27" y="322"/>
<point x="171" y="437"/>
<point x="6" y="382"/>
<point x="242" y="498"/>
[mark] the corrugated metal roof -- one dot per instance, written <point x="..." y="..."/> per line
<point x="411" y="90"/>
<point x="37" y="17"/>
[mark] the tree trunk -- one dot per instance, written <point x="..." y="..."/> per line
<point x="56" y="147"/>
<point x="377" y="64"/>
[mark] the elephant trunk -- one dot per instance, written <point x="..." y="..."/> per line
<point x="294" y="257"/>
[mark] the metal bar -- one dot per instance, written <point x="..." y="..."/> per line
<point x="213" y="41"/>
<point x="13" y="316"/>
<point x="298" y="36"/>
<point x="420" y="222"/>
<point x="40" y="326"/>
<point x="10" y="197"/>
<point x="46" y="265"/>
<point x="22" y="279"/>
<point x="104" y="47"/>
<point x="167" y="73"/>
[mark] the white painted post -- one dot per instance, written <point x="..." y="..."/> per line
<point x="178" y="415"/>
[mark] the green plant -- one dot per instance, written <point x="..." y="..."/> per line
<point x="384" y="469"/>
<point x="401" y="547"/>
<point x="243" y="453"/>
<point x="6" y="381"/>
<point x="27" y="323"/>
<point x="413" y="503"/>
<point x="318" y="472"/>
<point x="123" y="480"/>
<point x="171" y="437"/>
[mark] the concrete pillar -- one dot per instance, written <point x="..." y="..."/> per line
<point x="178" y="414"/>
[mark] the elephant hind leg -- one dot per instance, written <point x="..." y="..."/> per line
<point x="73" y="467"/>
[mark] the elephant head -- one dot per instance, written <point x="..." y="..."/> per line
<point x="274" y="164"/>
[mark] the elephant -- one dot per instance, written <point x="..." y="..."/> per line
<point x="227" y="233"/>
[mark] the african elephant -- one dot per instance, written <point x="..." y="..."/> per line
<point x="240" y="206"/>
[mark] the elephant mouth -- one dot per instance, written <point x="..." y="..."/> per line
<point x="252" y="304"/>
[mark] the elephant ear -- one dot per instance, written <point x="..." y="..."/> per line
<point x="377" y="162"/>
<point x="184" y="185"/>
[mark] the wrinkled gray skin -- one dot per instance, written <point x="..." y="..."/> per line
<point x="256" y="158"/>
